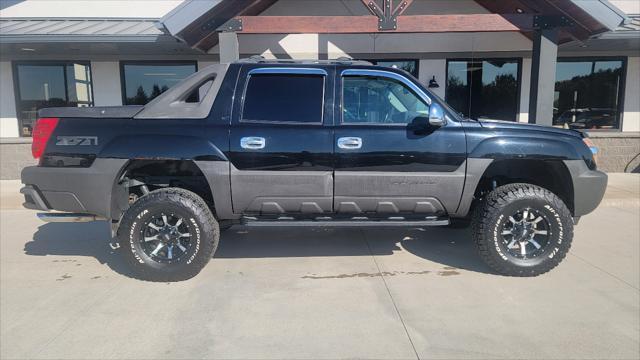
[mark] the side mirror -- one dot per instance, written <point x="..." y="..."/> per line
<point x="436" y="115"/>
<point x="419" y="125"/>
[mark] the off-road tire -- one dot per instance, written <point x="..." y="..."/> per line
<point x="494" y="210"/>
<point x="194" y="210"/>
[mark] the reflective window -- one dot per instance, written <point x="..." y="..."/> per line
<point x="50" y="84"/>
<point x="368" y="99"/>
<point x="484" y="89"/>
<point x="142" y="82"/>
<point x="284" y="98"/>
<point x="410" y="66"/>
<point x="587" y="93"/>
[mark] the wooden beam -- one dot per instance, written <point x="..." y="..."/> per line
<point x="369" y="24"/>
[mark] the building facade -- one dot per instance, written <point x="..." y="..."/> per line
<point x="111" y="53"/>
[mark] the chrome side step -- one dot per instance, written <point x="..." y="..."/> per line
<point x="346" y="222"/>
<point x="68" y="217"/>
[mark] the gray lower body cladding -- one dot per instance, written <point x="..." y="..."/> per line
<point x="83" y="190"/>
<point x="588" y="186"/>
<point x="279" y="192"/>
<point x="346" y="192"/>
<point x="433" y="193"/>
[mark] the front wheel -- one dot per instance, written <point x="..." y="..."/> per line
<point x="522" y="230"/>
<point x="168" y="235"/>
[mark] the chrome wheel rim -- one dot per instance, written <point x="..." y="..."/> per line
<point x="166" y="238"/>
<point x="526" y="233"/>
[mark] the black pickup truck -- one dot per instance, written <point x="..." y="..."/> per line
<point x="308" y="143"/>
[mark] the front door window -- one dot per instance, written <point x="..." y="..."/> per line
<point x="379" y="100"/>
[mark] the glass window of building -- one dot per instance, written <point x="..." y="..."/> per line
<point x="143" y="81"/>
<point x="410" y="66"/>
<point x="587" y="93"/>
<point x="484" y="88"/>
<point x="51" y="84"/>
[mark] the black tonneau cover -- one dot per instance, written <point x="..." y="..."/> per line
<point x="113" y="112"/>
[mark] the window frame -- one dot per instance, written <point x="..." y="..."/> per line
<point x="283" y="71"/>
<point x="123" y="63"/>
<point x="622" y="85"/>
<point x="64" y="63"/>
<point x="518" y="60"/>
<point x="383" y="74"/>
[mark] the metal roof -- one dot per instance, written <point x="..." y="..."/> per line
<point x="632" y="25"/>
<point x="75" y="29"/>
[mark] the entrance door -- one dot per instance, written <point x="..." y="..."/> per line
<point x="388" y="159"/>
<point x="281" y="152"/>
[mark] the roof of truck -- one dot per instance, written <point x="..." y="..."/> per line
<point x="339" y="61"/>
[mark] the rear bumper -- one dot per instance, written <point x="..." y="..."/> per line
<point x="33" y="199"/>
<point x="78" y="190"/>
<point x="588" y="187"/>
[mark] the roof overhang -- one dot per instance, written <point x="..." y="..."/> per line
<point x="197" y="23"/>
<point x="29" y="30"/>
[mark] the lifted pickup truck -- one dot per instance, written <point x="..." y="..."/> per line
<point x="308" y="143"/>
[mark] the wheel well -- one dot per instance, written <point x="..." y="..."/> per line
<point x="141" y="176"/>
<point x="551" y="175"/>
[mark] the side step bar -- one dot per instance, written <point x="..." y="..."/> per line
<point x="346" y="222"/>
<point x="68" y="217"/>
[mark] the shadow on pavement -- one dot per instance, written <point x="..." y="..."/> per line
<point x="77" y="239"/>
<point x="446" y="246"/>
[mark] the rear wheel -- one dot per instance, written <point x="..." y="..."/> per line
<point x="168" y="235"/>
<point x="522" y="230"/>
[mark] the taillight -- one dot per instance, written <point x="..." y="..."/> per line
<point x="41" y="134"/>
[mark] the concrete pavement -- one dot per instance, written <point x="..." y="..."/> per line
<point x="322" y="294"/>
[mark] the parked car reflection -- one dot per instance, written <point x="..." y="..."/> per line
<point x="588" y="118"/>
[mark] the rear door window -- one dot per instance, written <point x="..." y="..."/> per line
<point x="284" y="98"/>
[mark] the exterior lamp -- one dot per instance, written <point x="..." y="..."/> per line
<point x="433" y="84"/>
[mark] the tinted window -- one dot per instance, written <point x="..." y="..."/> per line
<point x="484" y="89"/>
<point x="284" y="98"/>
<point x="144" y="81"/>
<point x="379" y="100"/>
<point x="52" y="84"/>
<point x="587" y="94"/>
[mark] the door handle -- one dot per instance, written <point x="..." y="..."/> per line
<point x="349" y="143"/>
<point x="253" y="142"/>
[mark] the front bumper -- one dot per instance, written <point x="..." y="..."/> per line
<point x="589" y="187"/>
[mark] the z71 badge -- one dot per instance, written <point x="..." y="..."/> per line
<point x="77" y="140"/>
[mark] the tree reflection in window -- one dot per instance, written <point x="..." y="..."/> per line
<point x="144" y="81"/>
<point x="484" y="89"/>
<point x="587" y="93"/>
